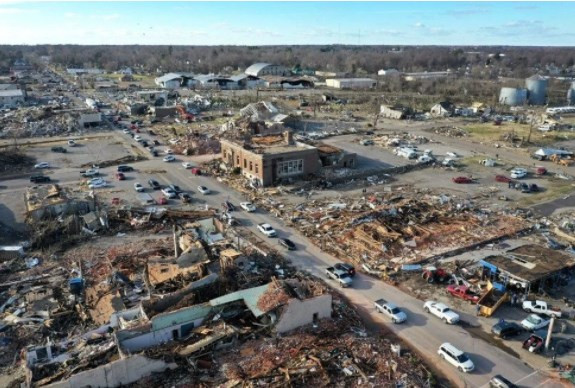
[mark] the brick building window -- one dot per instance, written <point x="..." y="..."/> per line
<point x="251" y="166"/>
<point x="257" y="169"/>
<point x="291" y="167"/>
<point x="245" y="163"/>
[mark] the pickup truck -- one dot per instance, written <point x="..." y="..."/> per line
<point x="90" y="172"/>
<point x="391" y="310"/>
<point x="341" y="277"/>
<point x="463" y="292"/>
<point x="267" y="230"/>
<point x="441" y="311"/>
<point x="541" y="307"/>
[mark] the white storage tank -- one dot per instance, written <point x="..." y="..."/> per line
<point x="537" y="90"/>
<point x="512" y="96"/>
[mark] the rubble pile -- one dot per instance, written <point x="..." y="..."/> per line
<point x="449" y="131"/>
<point x="396" y="139"/>
<point x="37" y="121"/>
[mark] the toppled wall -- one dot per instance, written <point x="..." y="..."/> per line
<point x="300" y="313"/>
<point x="114" y="374"/>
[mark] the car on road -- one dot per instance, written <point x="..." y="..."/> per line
<point x="154" y="184"/>
<point x="169" y="158"/>
<point x="120" y="176"/>
<point x="391" y="310"/>
<point x="442" y="311"/>
<point x="518" y="173"/>
<point x="502" y="179"/>
<point x="162" y="201"/>
<point x="345" y="267"/>
<point x="287" y="243"/>
<point x="156" y="142"/>
<point x="97" y="184"/>
<point x="169" y="193"/>
<point x="71" y="143"/>
<point x="138" y="138"/>
<point x="175" y="188"/>
<point x="506" y="329"/>
<point x="204" y="190"/>
<point x="248" y="206"/>
<point x="39" y="179"/>
<point x="534" y="322"/>
<point x="138" y="187"/>
<point x="267" y="230"/>
<point x="42" y="165"/>
<point x="456" y="357"/>
<point x="126" y="131"/>
<point x="185" y="197"/>
<point x="144" y="143"/>
<point x="59" y="149"/>
<point x="90" y="172"/>
<point x="187" y="165"/>
<point x="499" y="381"/>
<point x="462" y="179"/>
<point x="124" y="168"/>
<point x="168" y="151"/>
<point x="341" y="277"/>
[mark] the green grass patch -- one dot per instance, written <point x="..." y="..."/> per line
<point x="554" y="189"/>
<point x="497" y="133"/>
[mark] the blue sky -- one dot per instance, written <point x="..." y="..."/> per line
<point x="265" y="23"/>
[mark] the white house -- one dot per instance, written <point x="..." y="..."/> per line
<point x="351" y="83"/>
<point x="11" y="98"/>
<point x="175" y="80"/>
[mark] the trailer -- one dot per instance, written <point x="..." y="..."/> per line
<point x="491" y="300"/>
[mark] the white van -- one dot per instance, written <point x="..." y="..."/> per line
<point x="456" y="357"/>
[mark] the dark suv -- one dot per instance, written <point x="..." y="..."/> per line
<point x="506" y="329"/>
<point x="346" y="268"/>
<point x="124" y="168"/>
<point x="154" y="184"/>
<point x="39" y="179"/>
<point x="59" y="149"/>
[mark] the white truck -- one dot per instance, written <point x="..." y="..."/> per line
<point x="441" y="311"/>
<point x="267" y="230"/>
<point x="90" y="173"/>
<point x="541" y="307"/>
<point x="342" y="277"/>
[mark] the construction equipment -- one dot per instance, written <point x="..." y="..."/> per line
<point x="435" y="275"/>
<point x="560" y="161"/>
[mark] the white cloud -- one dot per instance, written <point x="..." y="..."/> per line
<point x="71" y="15"/>
<point x="111" y="16"/>
<point x="14" y="11"/>
<point x="419" y="25"/>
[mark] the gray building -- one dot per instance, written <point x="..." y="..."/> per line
<point x="512" y="96"/>
<point x="11" y="98"/>
<point x="261" y="69"/>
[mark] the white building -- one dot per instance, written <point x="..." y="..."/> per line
<point x="11" y="98"/>
<point x="175" y="80"/>
<point x="84" y="71"/>
<point x="261" y="69"/>
<point x="90" y="119"/>
<point x="388" y="72"/>
<point x="351" y="83"/>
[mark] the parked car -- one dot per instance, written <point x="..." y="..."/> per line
<point x="462" y="179"/>
<point x="39" y="179"/>
<point x="456" y="357"/>
<point x="156" y="142"/>
<point x="267" y="230"/>
<point x="42" y="165"/>
<point x="248" y="206"/>
<point x="518" y="173"/>
<point x="97" y="184"/>
<point x="228" y="206"/>
<point x="502" y="179"/>
<point x="168" y="151"/>
<point x="451" y="154"/>
<point x="71" y="143"/>
<point x="187" y="165"/>
<point x="138" y="187"/>
<point x="176" y="188"/>
<point x="169" y="158"/>
<point x="59" y="149"/>
<point x="391" y="310"/>
<point x="463" y="292"/>
<point x="541" y="307"/>
<point x="345" y="267"/>
<point x="120" y="176"/>
<point x="90" y="172"/>
<point x="154" y="184"/>
<point x="449" y="162"/>
<point x="126" y="131"/>
<point x="540" y="170"/>
<point x="499" y="381"/>
<point x="287" y="243"/>
<point x="442" y="311"/>
<point x="204" y="190"/>
<point x="366" y="142"/>
<point x="506" y="329"/>
<point x="144" y="143"/>
<point x="185" y="197"/>
<point x="341" y="277"/>
<point x="534" y="322"/>
<point x="124" y="168"/>
<point x="169" y="193"/>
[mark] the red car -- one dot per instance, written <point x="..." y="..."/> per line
<point x="462" y="179"/>
<point x="540" y="170"/>
<point x="120" y="176"/>
<point x="463" y="293"/>
<point x="162" y="201"/>
<point x="502" y="178"/>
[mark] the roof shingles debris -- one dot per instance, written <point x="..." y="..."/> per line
<point x="274" y="297"/>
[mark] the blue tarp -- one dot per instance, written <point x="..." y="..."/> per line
<point x="491" y="267"/>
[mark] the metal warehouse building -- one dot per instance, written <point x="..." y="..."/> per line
<point x="261" y="69"/>
<point x="351" y="83"/>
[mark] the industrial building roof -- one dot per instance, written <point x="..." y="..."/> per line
<point x="256" y="67"/>
<point x="531" y="262"/>
<point x="11" y="93"/>
<point x="186" y="314"/>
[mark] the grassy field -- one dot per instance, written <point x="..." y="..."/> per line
<point x="492" y="133"/>
<point x="554" y="188"/>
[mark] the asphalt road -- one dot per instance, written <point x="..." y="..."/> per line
<point x="421" y="331"/>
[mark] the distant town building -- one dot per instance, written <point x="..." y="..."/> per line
<point x="12" y="97"/>
<point x="351" y="83"/>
